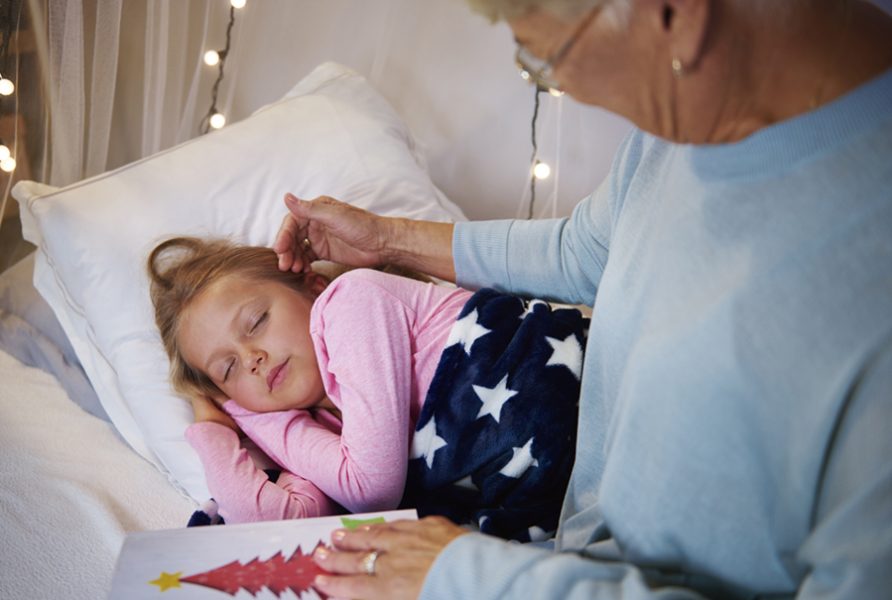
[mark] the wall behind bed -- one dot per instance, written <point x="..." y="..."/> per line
<point x="448" y="71"/>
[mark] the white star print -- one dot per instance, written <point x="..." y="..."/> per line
<point x="567" y="352"/>
<point x="493" y="398"/>
<point x="531" y="305"/>
<point x="466" y="331"/>
<point x="465" y="483"/>
<point x="520" y="462"/>
<point x="426" y="441"/>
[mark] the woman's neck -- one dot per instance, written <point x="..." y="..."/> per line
<point x="788" y="68"/>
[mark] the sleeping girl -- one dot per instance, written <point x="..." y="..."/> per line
<point x="369" y="392"/>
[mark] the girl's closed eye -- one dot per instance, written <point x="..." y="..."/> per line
<point x="228" y="370"/>
<point x="259" y="321"/>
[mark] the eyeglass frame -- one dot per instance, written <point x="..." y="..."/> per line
<point x="542" y="77"/>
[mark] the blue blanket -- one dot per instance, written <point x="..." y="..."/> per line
<point x="494" y="443"/>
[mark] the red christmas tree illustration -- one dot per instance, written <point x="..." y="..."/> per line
<point x="275" y="573"/>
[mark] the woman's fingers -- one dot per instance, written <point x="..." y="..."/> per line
<point x="404" y="552"/>
<point x="286" y="241"/>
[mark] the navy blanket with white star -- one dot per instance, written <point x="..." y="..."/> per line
<point x="494" y="443"/>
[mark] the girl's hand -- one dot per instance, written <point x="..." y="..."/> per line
<point x="206" y="409"/>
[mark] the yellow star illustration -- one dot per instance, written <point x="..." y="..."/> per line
<point x="167" y="580"/>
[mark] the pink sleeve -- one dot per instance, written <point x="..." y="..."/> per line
<point x="364" y="345"/>
<point x="242" y="491"/>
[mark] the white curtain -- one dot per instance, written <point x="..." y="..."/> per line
<point x="123" y="79"/>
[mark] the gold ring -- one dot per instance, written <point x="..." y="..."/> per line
<point x="368" y="562"/>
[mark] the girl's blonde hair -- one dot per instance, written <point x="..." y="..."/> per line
<point x="181" y="268"/>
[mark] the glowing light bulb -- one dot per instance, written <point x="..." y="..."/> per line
<point x="555" y="92"/>
<point x="217" y="120"/>
<point x="211" y="58"/>
<point x="8" y="164"/>
<point x="541" y="170"/>
<point x="237" y="3"/>
<point x="4" y="152"/>
<point x="6" y="86"/>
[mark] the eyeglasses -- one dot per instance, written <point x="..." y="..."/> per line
<point x="540" y="72"/>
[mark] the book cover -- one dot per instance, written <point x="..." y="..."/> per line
<point x="268" y="560"/>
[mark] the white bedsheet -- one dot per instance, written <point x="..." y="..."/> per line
<point x="70" y="489"/>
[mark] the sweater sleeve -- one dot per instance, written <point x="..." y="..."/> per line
<point x="243" y="492"/>
<point x="479" y="566"/>
<point x="557" y="259"/>
<point x="849" y="550"/>
<point x="364" y="345"/>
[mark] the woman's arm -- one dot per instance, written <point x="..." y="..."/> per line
<point x="349" y="235"/>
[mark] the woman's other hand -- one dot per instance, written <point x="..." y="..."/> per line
<point x="405" y="552"/>
<point x="206" y="410"/>
<point x="327" y="229"/>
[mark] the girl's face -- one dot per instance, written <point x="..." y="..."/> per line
<point x="252" y="338"/>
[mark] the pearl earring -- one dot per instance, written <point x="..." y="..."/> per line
<point x="677" y="67"/>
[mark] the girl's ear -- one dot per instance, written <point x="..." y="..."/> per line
<point x="316" y="282"/>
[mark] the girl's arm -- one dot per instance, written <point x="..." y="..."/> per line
<point x="243" y="492"/>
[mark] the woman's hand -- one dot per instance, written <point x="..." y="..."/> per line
<point x="206" y="409"/>
<point x="406" y="550"/>
<point x="326" y="229"/>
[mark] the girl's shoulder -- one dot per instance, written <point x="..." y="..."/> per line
<point x="374" y="281"/>
<point x="363" y="287"/>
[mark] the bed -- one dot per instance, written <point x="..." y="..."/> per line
<point x="91" y="433"/>
<point x="70" y="488"/>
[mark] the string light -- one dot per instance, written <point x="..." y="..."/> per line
<point x="7" y="87"/>
<point x="217" y="120"/>
<point x="4" y="152"/>
<point x="214" y="118"/>
<point x="8" y="164"/>
<point x="211" y="58"/>
<point x="541" y="170"/>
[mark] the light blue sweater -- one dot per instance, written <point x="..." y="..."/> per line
<point x="735" y="427"/>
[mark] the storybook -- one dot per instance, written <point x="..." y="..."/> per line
<point x="267" y="560"/>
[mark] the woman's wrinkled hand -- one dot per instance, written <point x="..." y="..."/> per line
<point x="405" y="552"/>
<point x="327" y="229"/>
<point x="206" y="410"/>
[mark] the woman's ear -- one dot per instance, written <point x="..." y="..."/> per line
<point x="686" y="23"/>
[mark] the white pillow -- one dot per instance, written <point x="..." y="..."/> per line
<point x="332" y="134"/>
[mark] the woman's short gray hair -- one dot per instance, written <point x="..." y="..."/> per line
<point x="502" y="10"/>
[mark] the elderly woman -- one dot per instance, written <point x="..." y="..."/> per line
<point x="737" y="387"/>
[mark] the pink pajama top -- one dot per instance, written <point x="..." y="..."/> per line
<point x="378" y="340"/>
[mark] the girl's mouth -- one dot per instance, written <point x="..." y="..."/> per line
<point x="277" y="375"/>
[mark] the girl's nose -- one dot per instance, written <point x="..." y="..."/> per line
<point x="254" y="359"/>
